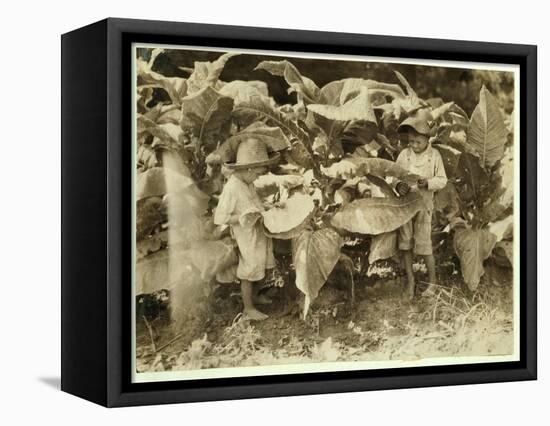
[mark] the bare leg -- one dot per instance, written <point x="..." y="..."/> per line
<point x="407" y="258"/>
<point x="430" y="266"/>
<point x="249" y="308"/>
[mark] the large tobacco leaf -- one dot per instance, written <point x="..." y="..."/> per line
<point x="314" y="254"/>
<point x="339" y="91"/>
<point x="241" y="91"/>
<point x="357" y="108"/>
<point x="375" y="216"/>
<point x="260" y="108"/>
<point x="206" y="114"/>
<point x="473" y="246"/>
<point x="383" y="246"/>
<point x="450" y="157"/>
<point x="487" y="131"/>
<point x="501" y="196"/>
<point x="296" y="209"/>
<point x="176" y="87"/>
<point x="306" y="89"/>
<point x="207" y="74"/>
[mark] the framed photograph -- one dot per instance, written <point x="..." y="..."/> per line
<point x="254" y="212"/>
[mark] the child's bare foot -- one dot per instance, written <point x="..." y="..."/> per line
<point x="409" y="292"/>
<point x="262" y="299"/>
<point x="254" y="314"/>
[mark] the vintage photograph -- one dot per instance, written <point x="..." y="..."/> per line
<point x="300" y="213"/>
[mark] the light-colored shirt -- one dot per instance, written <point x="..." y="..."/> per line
<point x="255" y="248"/>
<point x="428" y="165"/>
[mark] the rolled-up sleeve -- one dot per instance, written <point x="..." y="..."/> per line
<point x="440" y="177"/>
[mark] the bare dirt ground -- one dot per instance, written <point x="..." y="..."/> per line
<point x="378" y="325"/>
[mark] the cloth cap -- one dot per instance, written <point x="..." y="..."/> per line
<point x="421" y="121"/>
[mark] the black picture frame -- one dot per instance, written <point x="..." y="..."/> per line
<point x="96" y="207"/>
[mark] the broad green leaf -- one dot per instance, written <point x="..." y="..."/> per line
<point x="381" y="183"/>
<point x="206" y="114"/>
<point x="441" y="110"/>
<point x="404" y="82"/>
<point x="501" y="196"/>
<point x="358" y="108"/>
<point x="241" y="91"/>
<point x="294" y="212"/>
<point x="447" y="201"/>
<point x="168" y="133"/>
<point x="176" y="87"/>
<point x="487" y="132"/>
<point x="375" y="216"/>
<point x="304" y="86"/>
<point x="206" y="74"/>
<point x="473" y="246"/>
<point x="259" y="108"/>
<point x="360" y="133"/>
<point x="450" y="157"/>
<point x="337" y="92"/>
<point x="383" y="246"/>
<point x="315" y="254"/>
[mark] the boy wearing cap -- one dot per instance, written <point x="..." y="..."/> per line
<point x="421" y="159"/>
<point x="240" y="207"/>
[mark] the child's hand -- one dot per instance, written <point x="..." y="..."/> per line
<point x="249" y="219"/>
<point x="422" y="184"/>
<point x="402" y="188"/>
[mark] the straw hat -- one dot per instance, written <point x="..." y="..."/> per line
<point x="421" y="121"/>
<point x="252" y="153"/>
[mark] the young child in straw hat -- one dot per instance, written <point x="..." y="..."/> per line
<point x="421" y="159"/>
<point x="240" y="207"/>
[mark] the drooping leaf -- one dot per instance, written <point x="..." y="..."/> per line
<point x="358" y="108"/>
<point x="259" y="108"/>
<point x="450" y="157"/>
<point x="206" y="113"/>
<point x="501" y="195"/>
<point x="441" y="110"/>
<point x="375" y="216"/>
<point x="206" y="74"/>
<point x="360" y="133"/>
<point x="473" y="246"/>
<point x="404" y="82"/>
<point x="304" y="86"/>
<point x="339" y="91"/>
<point x="447" y="201"/>
<point x="315" y="254"/>
<point x="487" y="131"/>
<point x="381" y="183"/>
<point x="176" y="87"/>
<point x="383" y="246"/>
<point x="294" y="212"/>
<point x="241" y="91"/>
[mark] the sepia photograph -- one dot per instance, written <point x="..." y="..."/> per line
<point x="299" y="213"/>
